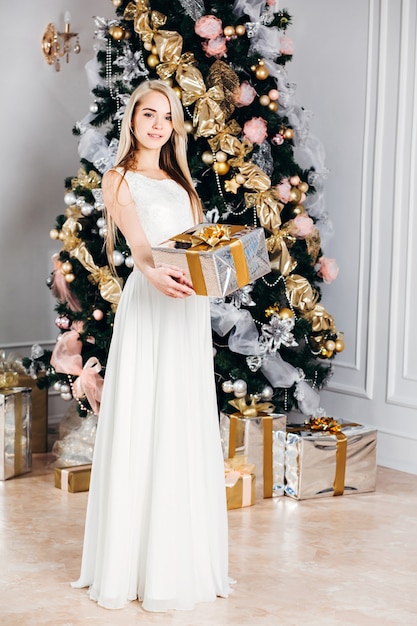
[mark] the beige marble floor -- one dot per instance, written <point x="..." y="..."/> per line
<point x="350" y="560"/>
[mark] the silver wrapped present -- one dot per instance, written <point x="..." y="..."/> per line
<point x="319" y="463"/>
<point x="217" y="263"/>
<point x="15" y="431"/>
<point x="261" y="440"/>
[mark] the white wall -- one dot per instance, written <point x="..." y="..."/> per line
<point x="355" y="67"/>
<point x="38" y="108"/>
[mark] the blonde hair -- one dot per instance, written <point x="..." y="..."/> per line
<point x="173" y="157"/>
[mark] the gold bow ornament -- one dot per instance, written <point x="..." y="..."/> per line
<point x="302" y="295"/>
<point x="86" y="180"/>
<point x="145" y="21"/>
<point x="279" y="255"/>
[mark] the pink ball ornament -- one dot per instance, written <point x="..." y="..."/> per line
<point x="62" y="322"/>
<point x="277" y="139"/>
<point x="98" y="314"/>
<point x="273" y="94"/>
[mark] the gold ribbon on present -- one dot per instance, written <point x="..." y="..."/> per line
<point x="301" y="294"/>
<point x="109" y="286"/>
<point x="263" y="410"/>
<point x="333" y="427"/>
<point x="18" y="432"/>
<point x="280" y="258"/>
<point x="214" y="232"/>
<point x="90" y="180"/>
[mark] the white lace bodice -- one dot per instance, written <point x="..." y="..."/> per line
<point x="163" y="206"/>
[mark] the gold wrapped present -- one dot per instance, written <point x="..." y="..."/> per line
<point x="9" y="379"/>
<point x="219" y="258"/>
<point x="39" y="412"/>
<point x="329" y="458"/>
<point x="73" y="479"/>
<point x="15" y="432"/>
<point x="261" y="440"/>
<point x="240" y="483"/>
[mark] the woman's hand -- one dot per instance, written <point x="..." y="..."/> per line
<point x="170" y="280"/>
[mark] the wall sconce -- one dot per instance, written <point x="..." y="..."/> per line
<point x="55" y="44"/>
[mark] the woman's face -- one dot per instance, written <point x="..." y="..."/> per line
<point x="152" y="122"/>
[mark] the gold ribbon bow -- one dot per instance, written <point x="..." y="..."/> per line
<point x="280" y="258"/>
<point x="253" y="409"/>
<point x="302" y="296"/>
<point x="255" y="177"/>
<point x="268" y="208"/>
<point x="69" y="232"/>
<point x="211" y="235"/>
<point x="169" y="45"/>
<point x="109" y="286"/>
<point x="225" y="140"/>
<point x="90" y="180"/>
<point x="145" y="21"/>
<point x="208" y="116"/>
<point x="320" y="319"/>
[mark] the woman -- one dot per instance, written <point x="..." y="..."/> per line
<point x="156" y="526"/>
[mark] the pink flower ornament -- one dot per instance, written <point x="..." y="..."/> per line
<point x="255" y="130"/>
<point x="246" y="95"/>
<point x="304" y="226"/>
<point x="208" y="27"/>
<point x="328" y="269"/>
<point x="214" y="47"/>
<point x="286" y="45"/>
<point x="284" y="188"/>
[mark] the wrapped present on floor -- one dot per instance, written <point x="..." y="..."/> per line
<point x="329" y="458"/>
<point x="219" y="258"/>
<point x="15" y="432"/>
<point x="73" y="479"/>
<point x="260" y="438"/>
<point x="240" y="483"/>
<point x="39" y="412"/>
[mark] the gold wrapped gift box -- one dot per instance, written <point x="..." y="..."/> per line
<point x="217" y="269"/>
<point x="15" y="432"/>
<point x="73" y="479"/>
<point x="39" y="413"/>
<point x="319" y="463"/>
<point x="261" y="440"/>
<point x="242" y="493"/>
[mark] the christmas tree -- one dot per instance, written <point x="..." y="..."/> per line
<point x="273" y="340"/>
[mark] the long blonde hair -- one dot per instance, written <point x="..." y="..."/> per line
<point x="173" y="157"/>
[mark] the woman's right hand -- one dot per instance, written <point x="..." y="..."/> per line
<point x="170" y="280"/>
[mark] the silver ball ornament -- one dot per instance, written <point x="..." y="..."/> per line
<point x="129" y="262"/>
<point x="240" y="388"/>
<point x="94" y="107"/>
<point x="118" y="258"/>
<point x="227" y="386"/>
<point x="57" y="385"/>
<point x="87" y="209"/>
<point x="65" y="388"/>
<point x="70" y="198"/>
<point x="66" y="396"/>
<point x="267" y="393"/>
<point x="103" y="232"/>
<point x="101" y="222"/>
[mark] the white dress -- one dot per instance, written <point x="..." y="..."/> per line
<point x="156" y="525"/>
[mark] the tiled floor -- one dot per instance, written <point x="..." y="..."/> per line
<point x="350" y="560"/>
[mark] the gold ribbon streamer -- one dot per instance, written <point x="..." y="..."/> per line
<point x="302" y="296"/>
<point x="109" y="286"/>
<point x="208" y="115"/>
<point x="268" y="208"/>
<point x="255" y="177"/>
<point x="280" y="258"/>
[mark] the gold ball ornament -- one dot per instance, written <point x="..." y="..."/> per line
<point x="127" y="35"/>
<point x="69" y="278"/>
<point x="325" y="354"/>
<point x="294" y="181"/>
<point x="176" y="88"/>
<point x="207" y="158"/>
<point x="153" y="61"/>
<point x="264" y="100"/>
<point x="288" y="133"/>
<point x="285" y="313"/>
<point x="168" y="81"/>
<point x="154" y="50"/>
<point x="253" y="68"/>
<point x="240" y="179"/>
<point x="303" y="187"/>
<point x="294" y="194"/>
<point x="54" y="233"/>
<point x="61" y="236"/>
<point x="273" y="106"/>
<point x="117" y="32"/>
<point x="221" y="157"/>
<point x="229" y="31"/>
<point x="188" y="125"/>
<point x="261" y="72"/>
<point x="66" y="267"/>
<point x="240" y="30"/>
<point x="221" y="168"/>
<point x="339" y="345"/>
<point x="298" y="209"/>
<point x="117" y="3"/>
<point x="330" y="345"/>
<point x="147" y="45"/>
